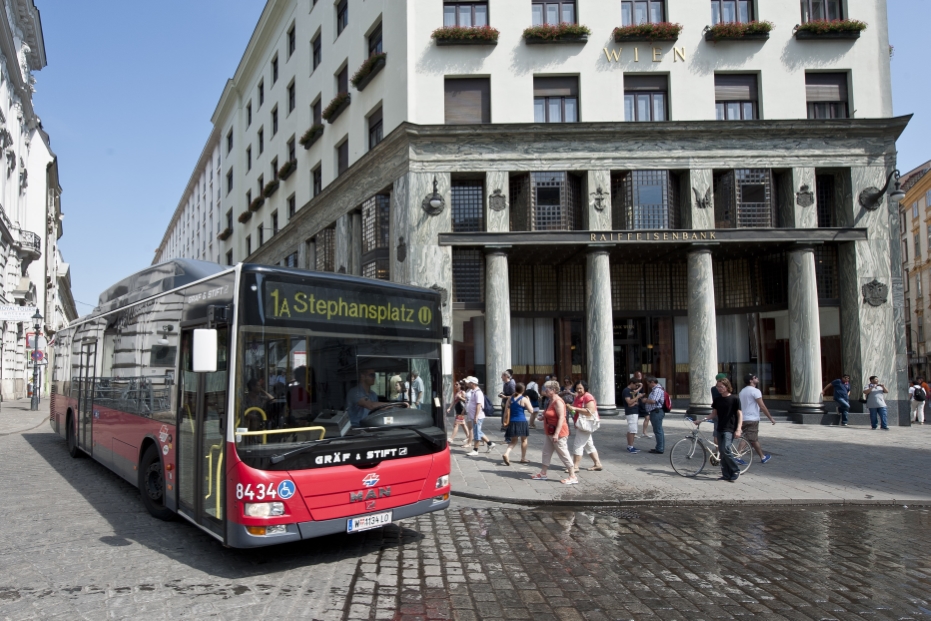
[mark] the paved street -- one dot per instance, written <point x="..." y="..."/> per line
<point x="77" y="544"/>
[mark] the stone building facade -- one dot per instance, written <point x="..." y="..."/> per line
<point x="596" y="205"/>
<point x="915" y="235"/>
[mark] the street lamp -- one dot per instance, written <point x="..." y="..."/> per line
<point x="37" y="318"/>
<point x="871" y="198"/>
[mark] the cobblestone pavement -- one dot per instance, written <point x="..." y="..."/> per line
<point x="16" y="416"/>
<point x="76" y="544"/>
<point x="810" y="464"/>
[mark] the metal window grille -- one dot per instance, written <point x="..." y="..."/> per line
<point x="679" y="287"/>
<point x="468" y="275"/>
<point x="555" y="201"/>
<point x="656" y="286"/>
<point x="468" y="206"/>
<point x="627" y="287"/>
<point x="571" y="286"/>
<point x="744" y="198"/>
<point x="376" y="214"/>
<point x="520" y="282"/>
<point x="733" y="283"/>
<point x="824" y="186"/>
<point x="291" y="260"/>
<point x="773" y="279"/>
<point x="646" y="199"/>
<point x="326" y="250"/>
<point x="826" y="273"/>
<point x="377" y="269"/>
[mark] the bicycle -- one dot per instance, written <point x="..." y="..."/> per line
<point x="687" y="461"/>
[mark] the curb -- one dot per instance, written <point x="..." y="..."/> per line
<point x="10" y="433"/>
<point x="693" y="502"/>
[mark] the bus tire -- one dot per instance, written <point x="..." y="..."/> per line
<point x="71" y="437"/>
<point x="152" y="484"/>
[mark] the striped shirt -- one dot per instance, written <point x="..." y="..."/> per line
<point x="656" y="396"/>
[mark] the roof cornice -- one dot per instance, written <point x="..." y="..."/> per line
<point x="30" y="22"/>
<point x="23" y="90"/>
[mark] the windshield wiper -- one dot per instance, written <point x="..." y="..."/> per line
<point x="420" y="433"/>
<point x="277" y="459"/>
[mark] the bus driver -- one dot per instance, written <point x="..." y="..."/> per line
<point x="362" y="399"/>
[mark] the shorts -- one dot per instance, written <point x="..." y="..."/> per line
<point x="477" y="430"/>
<point x="750" y="430"/>
<point x="460" y="418"/>
<point x="632" y="420"/>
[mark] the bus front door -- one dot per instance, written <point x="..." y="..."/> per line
<point x="85" y="421"/>
<point x="201" y="446"/>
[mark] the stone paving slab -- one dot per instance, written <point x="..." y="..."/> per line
<point x="16" y="416"/>
<point x="811" y="464"/>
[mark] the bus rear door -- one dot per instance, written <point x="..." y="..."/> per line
<point x="86" y="382"/>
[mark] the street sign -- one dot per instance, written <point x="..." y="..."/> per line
<point x="38" y="355"/>
<point x="12" y="312"/>
<point x="31" y="341"/>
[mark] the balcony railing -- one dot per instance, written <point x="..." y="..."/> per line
<point x="30" y="241"/>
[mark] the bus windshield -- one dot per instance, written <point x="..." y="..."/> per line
<point x="296" y="387"/>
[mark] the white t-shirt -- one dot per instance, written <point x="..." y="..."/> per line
<point x="748" y="404"/>
<point x="911" y="393"/>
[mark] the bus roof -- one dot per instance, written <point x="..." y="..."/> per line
<point x="154" y="280"/>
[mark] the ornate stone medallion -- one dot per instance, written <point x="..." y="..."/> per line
<point x="498" y="201"/>
<point x="599" y="199"/>
<point x="805" y="197"/>
<point x="875" y="293"/>
<point x="702" y="202"/>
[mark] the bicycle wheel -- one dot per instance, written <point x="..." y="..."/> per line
<point x="743" y="453"/>
<point x="687" y="457"/>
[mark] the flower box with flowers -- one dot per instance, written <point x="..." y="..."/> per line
<point x="244" y="216"/>
<point x="661" y="31"/>
<point x="830" y="29"/>
<point x="739" y="31"/>
<point x="287" y="170"/>
<point x="225" y="233"/>
<point x="336" y="107"/>
<point x="456" y="35"/>
<point x="256" y="203"/>
<point x="312" y="135"/>
<point x="270" y="188"/>
<point x="562" y="33"/>
<point x="369" y="69"/>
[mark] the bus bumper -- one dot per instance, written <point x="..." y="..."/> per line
<point x="239" y="538"/>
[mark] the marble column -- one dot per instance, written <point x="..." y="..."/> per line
<point x="600" y="330"/>
<point x="355" y="254"/>
<point x="341" y="263"/>
<point x="497" y="320"/>
<point x="804" y="337"/>
<point x="703" y="331"/>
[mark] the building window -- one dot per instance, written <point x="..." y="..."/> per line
<point x="248" y="114"/>
<point x="342" y="16"/>
<point x="548" y="201"/>
<point x="645" y="199"/>
<point x="317" y="183"/>
<point x="819" y="10"/>
<point x="556" y="100"/>
<point x="229" y="257"/>
<point x="375" y="42"/>
<point x="735" y="97"/>
<point x="915" y="209"/>
<point x="292" y="206"/>
<point x="468" y="275"/>
<point x="291" y="260"/>
<point x="826" y="198"/>
<point x="292" y="41"/>
<point x="229" y="142"/>
<point x="229" y="181"/>
<point x="261" y="137"/>
<point x="731" y="11"/>
<point x="274" y="120"/>
<point x="468" y="205"/>
<point x="261" y="93"/>
<point x="292" y="152"/>
<point x="743" y="198"/>
<point x="275" y="69"/>
<point x="274" y="174"/>
<point x="261" y="232"/>
<point x="342" y="157"/>
<point x="249" y="245"/>
<point x="275" y="223"/>
<point x="905" y="257"/>
<point x="249" y="197"/>
<point x="465" y="14"/>
<point x="342" y="80"/>
<point x="827" y="95"/>
<point x="928" y="199"/>
<point x="552" y="12"/>
<point x="467" y="101"/>
<point x="292" y="97"/>
<point x="916" y="240"/>
<point x="317" y="51"/>
<point x="229" y="220"/>
<point x="249" y="158"/>
<point x="645" y="98"/>
<point x="634" y="12"/>
<point x="376" y="216"/>
<point x="375" y="128"/>
<point x="325" y="247"/>
<point x="317" y="112"/>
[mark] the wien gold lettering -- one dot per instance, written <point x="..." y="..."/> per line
<point x="613" y="54"/>
<point x="636" y="54"/>
<point x="657" y="55"/>
<point x="676" y="54"/>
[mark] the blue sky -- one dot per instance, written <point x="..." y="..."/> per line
<point x="130" y="87"/>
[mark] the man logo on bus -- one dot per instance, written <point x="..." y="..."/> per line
<point x="285" y="489"/>
<point x="370" y="480"/>
<point x="425" y="315"/>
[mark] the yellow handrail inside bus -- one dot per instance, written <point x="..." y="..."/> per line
<point x="322" y="431"/>
<point x="219" y="480"/>
<point x="210" y="469"/>
<point x="190" y="419"/>
<point x="246" y="413"/>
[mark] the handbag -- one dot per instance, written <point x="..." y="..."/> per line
<point x="588" y="424"/>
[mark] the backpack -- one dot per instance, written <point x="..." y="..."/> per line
<point x="919" y="394"/>
<point x="488" y="408"/>
<point x="533" y="395"/>
<point x="667" y="402"/>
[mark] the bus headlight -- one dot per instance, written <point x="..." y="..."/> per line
<point x="263" y="509"/>
<point x="443" y="481"/>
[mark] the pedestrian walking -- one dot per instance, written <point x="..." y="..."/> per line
<point x="515" y="420"/>
<point x="533" y="393"/>
<point x="631" y="396"/>
<point x="875" y="394"/>
<point x="557" y="431"/>
<point x="927" y="389"/>
<point x="475" y="410"/>
<point x="505" y="394"/>
<point x="841" y="391"/>
<point x="641" y="407"/>
<point x="751" y="404"/>
<point x="725" y="410"/>
<point x="654" y="406"/>
<point x="584" y="411"/>
<point x="458" y="408"/>
<point x="917" y="396"/>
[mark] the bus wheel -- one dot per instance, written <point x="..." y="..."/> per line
<point x="152" y="485"/>
<point x="72" y="438"/>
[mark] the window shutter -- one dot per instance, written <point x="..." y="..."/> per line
<point x="561" y="86"/>
<point x="468" y="101"/>
<point x="651" y="83"/>
<point x="735" y="87"/>
<point x="826" y="87"/>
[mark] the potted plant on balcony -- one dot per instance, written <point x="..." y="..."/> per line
<point x="287" y="169"/>
<point x="256" y="204"/>
<point x="739" y="31"/>
<point x="336" y="107"/>
<point x="271" y="187"/>
<point x="561" y="33"/>
<point x="311" y="135"/>
<point x="244" y="216"/>
<point x="225" y="233"/>
<point x="830" y="29"/>
<point x="474" y="35"/>
<point x="660" y="31"/>
<point x="368" y="70"/>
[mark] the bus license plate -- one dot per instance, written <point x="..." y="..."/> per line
<point x="366" y="522"/>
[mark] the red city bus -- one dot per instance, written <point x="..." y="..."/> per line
<point x="265" y="405"/>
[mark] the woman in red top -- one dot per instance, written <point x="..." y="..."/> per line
<point x="557" y="433"/>
<point x="584" y="405"/>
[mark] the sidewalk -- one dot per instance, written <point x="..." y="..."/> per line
<point x="811" y="464"/>
<point x="16" y="417"/>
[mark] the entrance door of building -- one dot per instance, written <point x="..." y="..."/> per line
<point x="628" y="351"/>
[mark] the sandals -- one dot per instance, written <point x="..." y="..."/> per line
<point x="570" y="481"/>
<point x="597" y="468"/>
<point x="507" y="461"/>
<point x="539" y="477"/>
<point x="524" y="461"/>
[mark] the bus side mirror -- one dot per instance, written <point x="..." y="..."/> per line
<point x="205" y="351"/>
